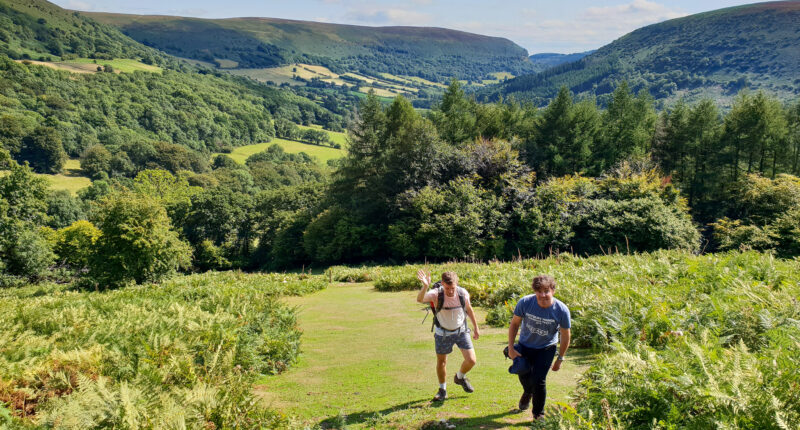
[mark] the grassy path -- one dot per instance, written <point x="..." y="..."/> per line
<point x="367" y="362"/>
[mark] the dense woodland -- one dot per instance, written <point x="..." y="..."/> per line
<point x="465" y="181"/>
<point x="199" y="112"/>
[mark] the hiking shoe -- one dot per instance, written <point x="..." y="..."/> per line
<point x="525" y="401"/>
<point x="440" y="395"/>
<point x="464" y="382"/>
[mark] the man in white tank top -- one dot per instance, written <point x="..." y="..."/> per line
<point x="452" y="309"/>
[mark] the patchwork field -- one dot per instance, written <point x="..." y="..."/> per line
<point x="384" y="85"/>
<point x="285" y="74"/>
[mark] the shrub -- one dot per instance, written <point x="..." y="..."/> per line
<point x="28" y="254"/>
<point x="63" y="209"/>
<point x="137" y="242"/>
<point x="95" y="161"/>
<point x="43" y="150"/>
<point x="75" y="244"/>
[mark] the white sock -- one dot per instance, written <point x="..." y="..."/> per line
<point x="443" y="385"/>
<point x="460" y="375"/>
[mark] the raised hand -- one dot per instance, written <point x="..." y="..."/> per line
<point x="423" y="277"/>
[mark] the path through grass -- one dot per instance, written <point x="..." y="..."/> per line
<point x="367" y="362"/>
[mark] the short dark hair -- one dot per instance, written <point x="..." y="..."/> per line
<point x="449" y="278"/>
<point x="543" y="281"/>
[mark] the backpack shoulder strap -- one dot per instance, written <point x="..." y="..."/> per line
<point x="462" y="297"/>
<point x="439" y="303"/>
<point x="439" y="296"/>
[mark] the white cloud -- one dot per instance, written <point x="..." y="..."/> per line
<point x="78" y="5"/>
<point x="196" y="12"/>
<point x="634" y="14"/>
<point x="389" y="16"/>
<point x="593" y="27"/>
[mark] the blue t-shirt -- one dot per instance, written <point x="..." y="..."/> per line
<point x="540" y="325"/>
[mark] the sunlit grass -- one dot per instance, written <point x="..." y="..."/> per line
<point x="322" y="153"/>
<point x="366" y="358"/>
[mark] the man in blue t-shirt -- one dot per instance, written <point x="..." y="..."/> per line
<point x="542" y="318"/>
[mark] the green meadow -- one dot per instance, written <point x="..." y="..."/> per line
<point x="368" y="362"/>
<point x="124" y="65"/>
<point x="322" y="153"/>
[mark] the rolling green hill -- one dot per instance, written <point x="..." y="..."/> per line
<point x="714" y="54"/>
<point x="36" y="29"/>
<point x="431" y="53"/>
<point x="51" y="85"/>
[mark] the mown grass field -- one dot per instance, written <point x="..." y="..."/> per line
<point x="322" y="153"/>
<point x="368" y="362"/>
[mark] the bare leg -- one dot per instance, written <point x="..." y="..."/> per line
<point x="469" y="360"/>
<point x="441" y="367"/>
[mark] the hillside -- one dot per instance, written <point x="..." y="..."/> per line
<point x="714" y="54"/>
<point x="56" y="85"/>
<point x="36" y="29"/>
<point x="546" y="60"/>
<point x="431" y="53"/>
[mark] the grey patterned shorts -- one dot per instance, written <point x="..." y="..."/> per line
<point x="444" y="344"/>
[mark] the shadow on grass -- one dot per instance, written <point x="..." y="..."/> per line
<point x="337" y="421"/>
<point x="491" y="421"/>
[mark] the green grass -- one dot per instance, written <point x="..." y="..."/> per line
<point x="322" y="153"/>
<point x="122" y="64"/>
<point x="70" y="179"/>
<point x="336" y="137"/>
<point x="367" y="359"/>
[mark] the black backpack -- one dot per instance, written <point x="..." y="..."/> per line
<point x="440" y="302"/>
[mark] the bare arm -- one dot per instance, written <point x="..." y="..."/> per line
<point x="425" y="279"/>
<point x="475" y="333"/>
<point x="563" y="346"/>
<point x="516" y="322"/>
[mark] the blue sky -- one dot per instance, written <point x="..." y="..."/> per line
<point x="563" y="26"/>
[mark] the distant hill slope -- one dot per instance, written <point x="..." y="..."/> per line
<point x="430" y="53"/>
<point x="80" y="107"/>
<point x="713" y="54"/>
<point x="31" y="29"/>
<point x="547" y="60"/>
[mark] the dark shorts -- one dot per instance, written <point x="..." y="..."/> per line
<point x="444" y="344"/>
